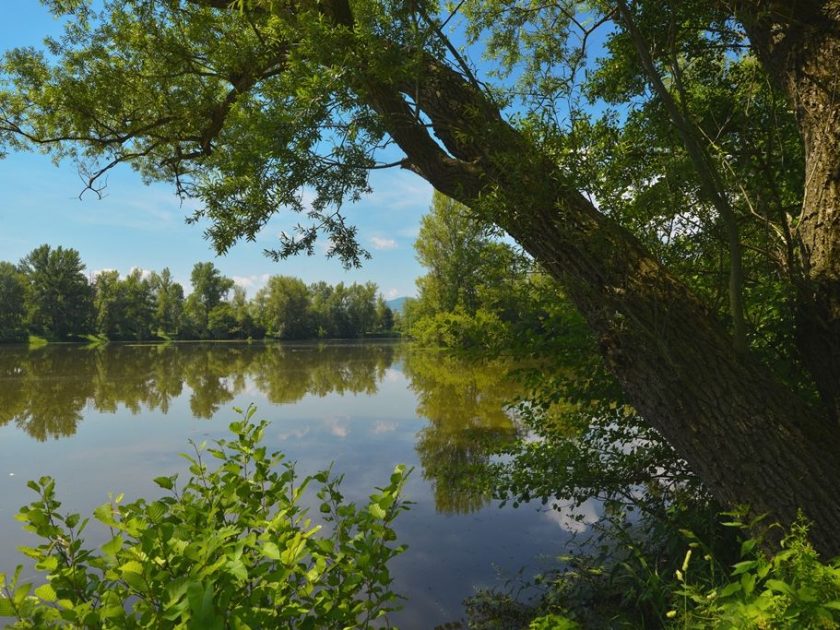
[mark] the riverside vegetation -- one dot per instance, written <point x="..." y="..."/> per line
<point x="47" y="294"/>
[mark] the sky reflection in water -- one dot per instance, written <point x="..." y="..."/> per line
<point x="112" y="418"/>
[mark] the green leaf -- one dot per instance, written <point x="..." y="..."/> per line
<point x="46" y="592"/>
<point x="748" y="583"/>
<point x="20" y="593"/>
<point x="132" y="566"/>
<point x="743" y="567"/>
<point x="112" y="547"/>
<point x="167" y="483"/>
<point x="779" y="586"/>
<point x="730" y="589"/>
<point x="270" y="550"/>
<point x="376" y="511"/>
<point x="6" y="608"/>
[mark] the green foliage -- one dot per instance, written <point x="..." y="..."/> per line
<point x="50" y="296"/>
<point x="479" y="292"/>
<point x="230" y="547"/>
<point x="635" y="585"/>
<point x="124" y="307"/>
<point x="792" y="588"/>
<point x="169" y="302"/>
<point x="12" y="306"/>
<point x="58" y="296"/>
<point x="457" y="329"/>
<point x="283" y="308"/>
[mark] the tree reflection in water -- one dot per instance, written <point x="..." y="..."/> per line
<point x="44" y="391"/>
<point x="465" y="405"/>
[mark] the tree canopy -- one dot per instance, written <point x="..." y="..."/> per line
<point x="672" y="164"/>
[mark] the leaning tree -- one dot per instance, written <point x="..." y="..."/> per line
<point x="675" y="165"/>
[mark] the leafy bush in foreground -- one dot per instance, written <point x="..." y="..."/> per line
<point x="791" y="588"/>
<point x="232" y="548"/>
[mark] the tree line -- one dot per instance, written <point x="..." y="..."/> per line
<point x="49" y="295"/>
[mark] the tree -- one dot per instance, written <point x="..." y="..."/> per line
<point x="283" y="308"/>
<point x="209" y="289"/>
<point x="124" y="307"/>
<point x="139" y="305"/>
<point x="58" y="296"/>
<point x="269" y="98"/>
<point x="245" y="326"/>
<point x="106" y="302"/>
<point x="451" y="244"/>
<point x="384" y="315"/>
<point x="169" y="301"/>
<point x="12" y="310"/>
<point x="471" y="274"/>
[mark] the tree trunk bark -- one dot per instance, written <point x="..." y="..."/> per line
<point x="799" y="45"/>
<point x="751" y="440"/>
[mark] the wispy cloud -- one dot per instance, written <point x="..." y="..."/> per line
<point x="383" y="243"/>
<point x="399" y="190"/>
<point x="144" y="273"/>
<point x="154" y="210"/>
<point x="254" y="281"/>
<point x="390" y="294"/>
<point x="98" y="272"/>
<point x="338" y="427"/>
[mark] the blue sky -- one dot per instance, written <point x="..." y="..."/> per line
<point x="143" y="226"/>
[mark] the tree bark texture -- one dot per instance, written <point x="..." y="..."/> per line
<point x="799" y="45"/>
<point x="749" y="438"/>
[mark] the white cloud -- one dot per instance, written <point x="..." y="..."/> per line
<point x="296" y="434"/>
<point x="383" y="243"/>
<point x="246" y="282"/>
<point x="144" y="273"/>
<point x="393" y="376"/>
<point x="390" y="294"/>
<point x="338" y="426"/>
<point x="384" y="427"/>
<point x="411" y="232"/>
<point x="254" y="281"/>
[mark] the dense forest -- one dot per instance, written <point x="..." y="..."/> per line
<point x="48" y="294"/>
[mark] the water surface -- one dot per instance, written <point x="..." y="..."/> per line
<point x="110" y="419"/>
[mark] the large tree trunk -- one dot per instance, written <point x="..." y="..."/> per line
<point x="799" y="45"/>
<point x="750" y="438"/>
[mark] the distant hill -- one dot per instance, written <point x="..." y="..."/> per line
<point x="397" y="304"/>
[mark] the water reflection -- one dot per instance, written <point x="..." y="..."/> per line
<point x="45" y="392"/>
<point x="464" y="404"/>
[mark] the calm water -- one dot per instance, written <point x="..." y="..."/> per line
<point x="110" y="419"/>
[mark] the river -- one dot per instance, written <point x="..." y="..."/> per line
<point x="109" y="419"/>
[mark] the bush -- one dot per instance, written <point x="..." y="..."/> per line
<point x="790" y="589"/>
<point x="459" y="330"/>
<point x="232" y="548"/>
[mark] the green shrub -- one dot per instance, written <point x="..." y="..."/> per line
<point x="231" y="548"/>
<point x="790" y="589"/>
<point x="460" y="330"/>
